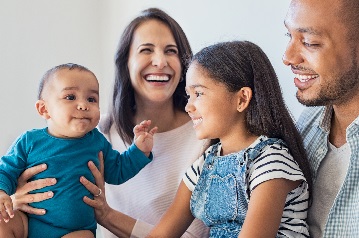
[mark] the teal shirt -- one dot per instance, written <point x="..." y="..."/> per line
<point x="67" y="160"/>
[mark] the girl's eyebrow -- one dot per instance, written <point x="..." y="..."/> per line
<point x="197" y="86"/>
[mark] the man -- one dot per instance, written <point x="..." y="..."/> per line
<point x="323" y="53"/>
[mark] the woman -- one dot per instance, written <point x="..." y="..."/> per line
<point x="149" y="83"/>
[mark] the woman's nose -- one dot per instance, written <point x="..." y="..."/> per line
<point x="159" y="60"/>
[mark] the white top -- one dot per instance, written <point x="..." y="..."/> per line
<point x="148" y="195"/>
<point x="331" y="174"/>
<point x="274" y="161"/>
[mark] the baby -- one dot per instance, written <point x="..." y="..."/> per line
<point x="68" y="100"/>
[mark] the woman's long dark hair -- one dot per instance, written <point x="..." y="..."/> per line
<point x="123" y="106"/>
<point x="240" y="64"/>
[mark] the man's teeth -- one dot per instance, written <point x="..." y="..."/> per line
<point x="157" y="78"/>
<point x="305" y="78"/>
<point x="197" y="121"/>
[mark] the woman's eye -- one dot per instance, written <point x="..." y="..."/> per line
<point x="145" y="50"/>
<point x="172" y="51"/>
<point x="70" y="97"/>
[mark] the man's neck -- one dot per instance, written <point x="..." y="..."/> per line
<point x="343" y="116"/>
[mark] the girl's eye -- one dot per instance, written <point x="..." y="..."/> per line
<point x="198" y="94"/>
<point x="187" y="97"/>
<point x="91" y="99"/>
<point x="70" y="97"/>
<point x="288" y="35"/>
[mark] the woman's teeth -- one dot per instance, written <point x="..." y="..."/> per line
<point x="157" y="78"/>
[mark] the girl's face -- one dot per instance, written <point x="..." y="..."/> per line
<point x="154" y="64"/>
<point x="212" y="108"/>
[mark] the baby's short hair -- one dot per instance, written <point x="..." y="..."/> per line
<point x="52" y="71"/>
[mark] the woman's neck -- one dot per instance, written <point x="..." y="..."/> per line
<point x="165" y="117"/>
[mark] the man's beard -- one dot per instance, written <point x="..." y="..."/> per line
<point x="338" y="90"/>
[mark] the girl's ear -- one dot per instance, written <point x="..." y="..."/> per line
<point x="42" y="109"/>
<point x="244" y="97"/>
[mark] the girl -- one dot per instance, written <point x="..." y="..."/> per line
<point x="254" y="179"/>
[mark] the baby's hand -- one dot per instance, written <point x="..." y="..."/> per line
<point x="144" y="136"/>
<point x="6" y="210"/>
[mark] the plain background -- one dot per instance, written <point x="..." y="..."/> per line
<point x="39" y="34"/>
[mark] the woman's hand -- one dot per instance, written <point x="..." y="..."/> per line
<point x="99" y="202"/>
<point x="118" y="223"/>
<point x="21" y="198"/>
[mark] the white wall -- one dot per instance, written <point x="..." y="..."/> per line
<point x="39" y="34"/>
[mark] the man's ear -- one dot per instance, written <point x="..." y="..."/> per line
<point x="42" y="109"/>
<point x="244" y="97"/>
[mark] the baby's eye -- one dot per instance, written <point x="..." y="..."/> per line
<point x="187" y="97"/>
<point x="70" y="97"/>
<point x="92" y="99"/>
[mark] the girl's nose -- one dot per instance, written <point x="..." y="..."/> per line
<point x="189" y="107"/>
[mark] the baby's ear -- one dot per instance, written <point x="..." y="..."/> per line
<point x="42" y="109"/>
<point x="244" y="97"/>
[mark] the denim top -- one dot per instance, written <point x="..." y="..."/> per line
<point x="221" y="195"/>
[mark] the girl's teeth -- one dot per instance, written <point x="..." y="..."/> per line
<point x="197" y="121"/>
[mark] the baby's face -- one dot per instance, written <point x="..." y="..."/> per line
<point x="72" y="103"/>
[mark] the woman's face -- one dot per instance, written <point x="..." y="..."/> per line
<point x="153" y="63"/>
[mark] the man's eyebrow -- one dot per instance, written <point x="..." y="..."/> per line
<point x="308" y="30"/>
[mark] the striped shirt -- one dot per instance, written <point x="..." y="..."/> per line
<point x="273" y="161"/>
<point x="314" y="125"/>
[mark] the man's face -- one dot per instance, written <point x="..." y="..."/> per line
<point x="322" y="58"/>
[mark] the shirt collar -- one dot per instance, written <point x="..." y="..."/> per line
<point x="326" y="118"/>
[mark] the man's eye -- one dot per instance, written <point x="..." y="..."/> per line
<point x="310" y="45"/>
<point x="70" y="97"/>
